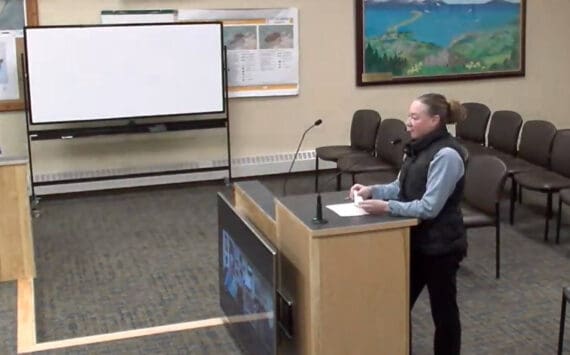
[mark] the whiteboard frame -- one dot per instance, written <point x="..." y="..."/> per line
<point x="224" y="93"/>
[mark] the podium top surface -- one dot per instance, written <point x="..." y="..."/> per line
<point x="260" y="195"/>
<point x="12" y="161"/>
<point x="304" y="208"/>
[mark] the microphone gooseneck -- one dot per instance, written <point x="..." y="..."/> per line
<point x="315" y="124"/>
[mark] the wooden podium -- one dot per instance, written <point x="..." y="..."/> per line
<point x="348" y="279"/>
<point x="16" y="247"/>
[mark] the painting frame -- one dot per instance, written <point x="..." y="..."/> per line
<point x="32" y="19"/>
<point x="366" y="74"/>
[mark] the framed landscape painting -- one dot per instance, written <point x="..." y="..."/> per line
<point x="399" y="41"/>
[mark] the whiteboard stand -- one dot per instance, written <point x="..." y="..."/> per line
<point x="227" y="181"/>
<point x="129" y="126"/>
<point x="34" y="200"/>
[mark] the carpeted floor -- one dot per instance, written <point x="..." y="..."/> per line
<point x="131" y="259"/>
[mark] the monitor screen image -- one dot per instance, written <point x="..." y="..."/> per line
<point x="247" y="269"/>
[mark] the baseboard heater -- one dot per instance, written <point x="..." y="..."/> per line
<point x="104" y="179"/>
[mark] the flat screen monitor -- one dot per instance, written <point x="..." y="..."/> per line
<point x="247" y="279"/>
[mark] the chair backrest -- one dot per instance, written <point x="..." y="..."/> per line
<point x="474" y="126"/>
<point x="504" y="131"/>
<point x="390" y="141"/>
<point x="484" y="180"/>
<point x="363" y="129"/>
<point x="559" y="161"/>
<point x="536" y="142"/>
<point x="464" y="153"/>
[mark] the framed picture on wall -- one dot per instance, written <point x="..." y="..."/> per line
<point x="401" y="41"/>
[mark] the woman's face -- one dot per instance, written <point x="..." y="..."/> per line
<point x="419" y="121"/>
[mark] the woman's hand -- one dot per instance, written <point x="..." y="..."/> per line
<point x="363" y="191"/>
<point x="374" y="206"/>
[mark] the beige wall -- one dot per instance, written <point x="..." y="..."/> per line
<point x="328" y="90"/>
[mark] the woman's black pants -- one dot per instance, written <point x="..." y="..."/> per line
<point x="439" y="274"/>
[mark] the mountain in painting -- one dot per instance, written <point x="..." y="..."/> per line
<point x="500" y="3"/>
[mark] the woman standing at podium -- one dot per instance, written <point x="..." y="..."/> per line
<point x="430" y="187"/>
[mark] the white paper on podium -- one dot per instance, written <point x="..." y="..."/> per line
<point x="347" y="209"/>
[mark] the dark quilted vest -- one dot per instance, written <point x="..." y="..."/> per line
<point x="445" y="234"/>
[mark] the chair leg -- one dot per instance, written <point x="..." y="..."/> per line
<point x="558" y="220"/>
<point x="497" y="241"/>
<point x="548" y="214"/>
<point x="562" y="321"/>
<point x="316" y="174"/>
<point x="338" y="181"/>
<point x="513" y="200"/>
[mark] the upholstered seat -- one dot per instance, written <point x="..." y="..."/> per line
<point x="543" y="180"/>
<point x="533" y="154"/>
<point x="333" y="152"/>
<point x="506" y="158"/>
<point x="484" y="181"/>
<point x="363" y="131"/>
<point x="474" y="218"/>
<point x="473" y="148"/>
<point x="363" y="164"/>
<point x="390" y="141"/>
<point x="518" y="165"/>
<point x="553" y="180"/>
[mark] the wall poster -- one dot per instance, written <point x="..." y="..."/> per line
<point x="262" y="49"/>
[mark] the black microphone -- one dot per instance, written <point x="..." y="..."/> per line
<point x="315" y="124"/>
<point x="318" y="219"/>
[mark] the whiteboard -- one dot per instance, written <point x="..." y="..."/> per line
<point x="86" y="73"/>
